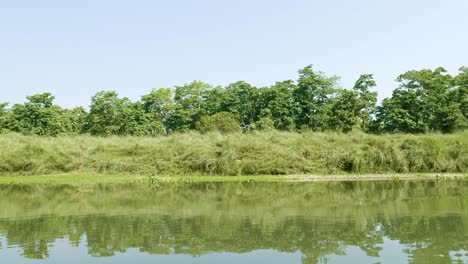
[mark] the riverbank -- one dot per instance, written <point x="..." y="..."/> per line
<point x="80" y="179"/>
<point x="237" y="154"/>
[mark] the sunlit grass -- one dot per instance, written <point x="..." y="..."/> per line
<point x="260" y="153"/>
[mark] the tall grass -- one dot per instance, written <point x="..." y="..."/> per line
<point x="258" y="153"/>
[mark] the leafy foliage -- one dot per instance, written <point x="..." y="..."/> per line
<point x="222" y="122"/>
<point x="38" y="116"/>
<point x="425" y="101"/>
<point x="312" y="95"/>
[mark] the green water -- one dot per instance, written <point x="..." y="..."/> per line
<point x="338" y="222"/>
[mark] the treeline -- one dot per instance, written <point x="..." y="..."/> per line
<point x="425" y="101"/>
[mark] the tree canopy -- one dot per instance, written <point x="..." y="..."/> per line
<point x="425" y="101"/>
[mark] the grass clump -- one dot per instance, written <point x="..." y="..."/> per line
<point x="257" y="153"/>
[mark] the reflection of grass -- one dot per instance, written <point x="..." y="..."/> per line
<point x="316" y="219"/>
<point x="66" y="178"/>
<point x="235" y="197"/>
<point x="120" y="178"/>
<point x="90" y="178"/>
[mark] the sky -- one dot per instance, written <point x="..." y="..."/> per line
<point x="74" y="49"/>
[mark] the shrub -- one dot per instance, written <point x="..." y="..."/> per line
<point x="223" y="122"/>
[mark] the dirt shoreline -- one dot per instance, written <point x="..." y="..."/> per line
<point x="79" y="179"/>
<point x="375" y="177"/>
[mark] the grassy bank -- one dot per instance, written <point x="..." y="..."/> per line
<point x="265" y="153"/>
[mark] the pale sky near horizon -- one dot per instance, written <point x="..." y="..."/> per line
<point x="77" y="48"/>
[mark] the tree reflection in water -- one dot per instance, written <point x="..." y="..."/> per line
<point x="429" y="218"/>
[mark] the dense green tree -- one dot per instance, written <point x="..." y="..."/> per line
<point x="111" y="115"/>
<point x="460" y="94"/>
<point x="141" y="123"/>
<point x="448" y="118"/>
<point x="353" y="108"/>
<point x="403" y="112"/>
<point x="214" y="101"/>
<point x="107" y="114"/>
<point x="264" y="123"/>
<point x="38" y="116"/>
<point x="311" y="97"/>
<point x="222" y="122"/>
<point x="344" y="111"/>
<point x="3" y="117"/>
<point x="242" y="99"/>
<point x="189" y="105"/>
<point x="423" y="101"/>
<point x="442" y="111"/>
<point x="76" y="120"/>
<point x="367" y="99"/>
<point x="278" y="100"/>
<point x="159" y="105"/>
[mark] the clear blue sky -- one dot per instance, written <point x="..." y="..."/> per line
<point x="76" y="48"/>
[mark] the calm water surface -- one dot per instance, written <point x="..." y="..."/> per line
<point x="339" y="222"/>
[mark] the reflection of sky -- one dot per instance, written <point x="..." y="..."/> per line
<point x="62" y="252"/>
<point x="392" y="252"/>
<point x="459" y="256"/>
